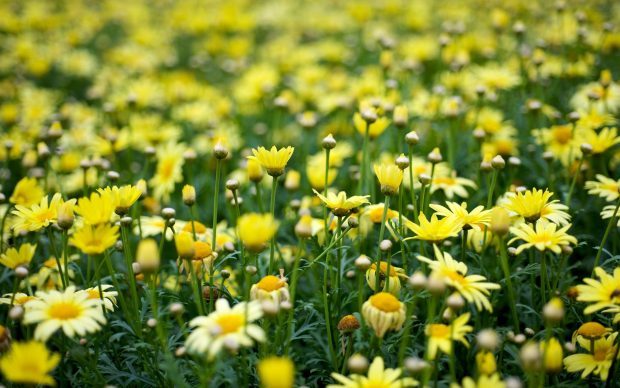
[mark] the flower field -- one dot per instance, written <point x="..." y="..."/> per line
<point x="328" y="193"/>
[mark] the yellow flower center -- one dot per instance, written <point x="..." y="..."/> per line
<point x="455" y="276"/>
<point x="383" y="265"/>
<point x="439" y="330"/>
<point x="270" y="283"/>
<point x="444" y="181"/>
<point x="93" y="294"/>
<point x="562" y="134"/>
<point x="44" y="215"/>
<point x="385" y="302"/>
<point x="199" y="227"/>
<point x="592" y="330"/>
<point x="600" y="354"/>
<point x="64" y="310"/>
<point x="230" y="323"/>
<point x="376" y="384"/>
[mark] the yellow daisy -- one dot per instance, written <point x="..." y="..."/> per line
<point x="597" y="360"/>
<point x="476" y="219"/>
<point x="473" y="288"/>
<point x="96" y="209"/>
<point x="534" y="204"/>
<point x="255" y="230"/>
<point x="383" y="312"/>
<point x="72" y="311"/>
<point x="395" y="275"/>
<point x="390" y="177"/>
<point x="273" y="160"/>
<point x="441" y="336"/>
<point x="434" y="230"/>
<point x="27" y="192"/>
<point x="225" y="324"/>
<point x="544" y="236"/>
<point x="29" y="363"/>
<point x="340" y="204"/>
<point x="378" y="376"/>
<point x="604" y="187"/>
<point x="601" y="293"/>
<point x="13" y="258"/>
<point x="38" y="216"/>
<point x="122" y="197"/>
<point x="94" y="239"/>
<point x="452" y="185"/>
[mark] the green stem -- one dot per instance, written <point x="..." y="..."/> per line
<point x="404" y="342"/>
<point x="130" y="274"/>
<point x="386" y="205"/>
<point x="362" y="186"/>
<point x="6" y="213"/>
<point x="195" y="286"/>
<point x="325" y="212"/>
<point x="572" y="184"/>
<point x="413" y="196"/>
<point x="543" y="277"/>
<point x="123" y="302"/>
<point x="509" y="287"/>
<point x="294" y="278"/>
<point x="604" y="240"/>
<point x="272" y="248"/>
<point x="56" y="257"/>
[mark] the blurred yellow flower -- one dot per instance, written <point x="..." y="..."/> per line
<point x="29" y="363"/>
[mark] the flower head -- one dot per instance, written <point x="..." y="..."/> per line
<point x="29" y="363"/>
<point x="225" y="324"/>
<point x="601" y="293"/>
<point x="395" y="275"/>
<point x="270" y="288"/>
<point x="390" y="177"/>
<point x="543" y="236"/>
<point x="122" y="197"/>
<point x="598" y="357"/>
<point x="255" y="230"/>
<point x="72" y="311"/>
<point x="434" y="230"/>
<point x="98" y="208"/>
<point x="441" y="336"/>
<point x="13" y="258"/>
<point x="474" y="288"/>
<point x="378" y="376"/>
<point x="534" y="204"/>
<point x="340" y="204"/>
<point x="604" y="187"/>
<point x="39" y="215"/>
<point x="477" y="219"/>
<point x="383" y="312"/>
<point x="94" y="239"/>
<point x="276" y="372"/>
<point x="273" y="160"/>
<point x="27" y="192"/>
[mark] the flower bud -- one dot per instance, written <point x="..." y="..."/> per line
<point x="348" y="324"/>
<point x="189" y="195"/>
<point x="411" y="138"/>
<point x="402" y="162"/>
<point x="362" y="263"/>
<point x="401" y="116"/>
<point x="232" y="184"/>
<point x="417" y="281"/>
<point x="435" y="156"/>
<point x="148" y="255"/>
<point x="498" y="162"/>
<point x="65" y="215"/>
<point x="357" y="363"/>
<point x="328" y="142"/>
<point x="500" y="221"/>
<point x="488" y="339"/>
<point x="177" y="308"/>
<point x="220" y="151"/>
<point x="185" y="245"/>
<point x="416" y="365"/>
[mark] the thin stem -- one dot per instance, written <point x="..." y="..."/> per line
<point x="413" y="196"/>
<point x="195" y="286"/>
<point x="325" y="213"/>
<point x="572" y="184"/>
<point x="130" y="274"/>
<point x="294" y="278"/>
<point x="124" y="306"/>
<point x="386" y="205"/>
<point x="56" y="257"/>
<point x="509" y="287"/>
<point x="404" y="342"/>
<point x="362" y="186"/>
<point x="6" y="213"/>
<point x="218" y="168"/>
<point x="604" y="240"/>
<point x="272" y="249"/>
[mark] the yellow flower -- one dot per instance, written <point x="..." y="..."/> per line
<point x="601" y="141"/>
<point x="276" y="372"/>
<point x="255" y="171"/>
<point x="340" y="204"/>
<point x="485" y="362"/>
<point x="597" y="360"/>
<point x="72" y="311"/>
<point x="604" y="187"/>
<point x="552" y="355"/>
<point x="473" y="288"/>
<point x="169" y="170"/>
<point x="316" y="175"/>
<point x="122" y="197"/>
<point x="94" y="239"/>
<point x="188" y="194"/>
<point x="38" y="216"/>
<point x="452" y="185"/>
<point x="544" y="236"/>
<point x="441" y="337"/>
<point x="225" y="325"/>
<point x="27" y="192"/>
<point x="147" y="255"/>
<point x="375" y="129"/>
<point x="255" y="230"/>
<point x="13" y="258"/>
<point x="477" y="219"/>
<point x="270" y="288"/>
<point x="109" y="297"/>
<point x="273" y="160"/>
<point x="390" y="177"/>
<point x="602" y="293"/>
<point x="434" y="230"/>
<point x="98" y="209"/>
<point x="29" y="363"/>
<point x="395" y="275"/>
<point x="534" y="204"/>
<point x="383" y="312"/>
<point x="484" y="381"/>
<point x="184" y="244"/>
<point x="378" y="376"/>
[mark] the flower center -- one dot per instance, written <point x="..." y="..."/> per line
<point x="385" y="302"/>
<point x="64" y="310"/>
<point x="270" y="283"/>
<point x="230" y="323"/>
<point x="591" y="330"/>
<point x="562" y="134"/>
<point x="439" y="330"/>
<point x="93" y="294"/>
<point x="600" y="354"/>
